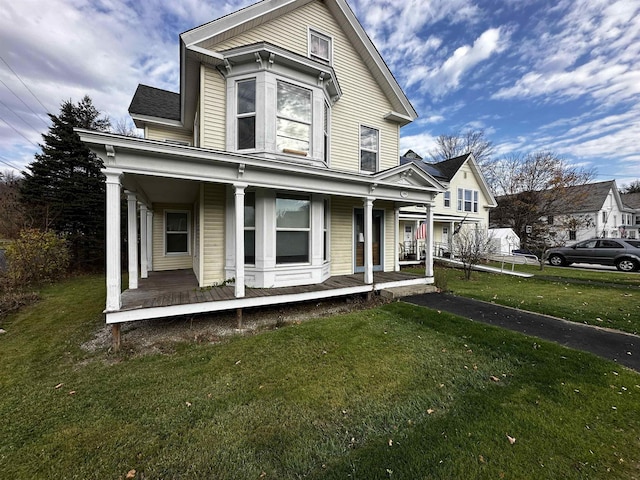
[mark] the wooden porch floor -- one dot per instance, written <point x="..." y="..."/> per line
<point x="176" y="293"/>
<point x="180" y="287"/>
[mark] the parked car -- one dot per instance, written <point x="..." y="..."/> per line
<point x="621" y="252"/>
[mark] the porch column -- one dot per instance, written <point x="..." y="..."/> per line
<point x="368" y="240"/>
<point x="144" y="271"/>
<point x="239" y="238"/>
<point x="396" y="240"/>
<point x="114" y="272"/>
<point x="428" y="247"/>
<point x="132" y="238"/>
<point x="416" y="229"/>
<point x="452" y="227"/>
<point x="149" y="221"/>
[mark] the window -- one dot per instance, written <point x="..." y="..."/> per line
<point x="609" y="244"/>
<point x="467" y="200"/>
<point x="294" y="119"/>
<point x="292" y="229"/>
<point x="368" y="149"/>
<point x="572" y="234"/>
<point x="319" y="46"/>
<point x="604" y="217"/>
<point x="325" y="232"/>
<point x="447" y="199"/>
<point x="445" y="232"/>
<point x="326" y="133"/>
<point x="250" y="228"/>
<point x="176" y="232"/>
<point x="246" y="114"/>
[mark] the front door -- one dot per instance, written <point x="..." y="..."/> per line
<point x="358" y="238"/>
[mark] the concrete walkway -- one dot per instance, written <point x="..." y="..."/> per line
<point x="620" y="347"/>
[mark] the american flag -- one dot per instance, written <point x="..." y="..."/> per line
<point x="421" y="234"/>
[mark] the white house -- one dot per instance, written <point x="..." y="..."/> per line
<point x="274" y="167"/>
<point x="467" y="199"/>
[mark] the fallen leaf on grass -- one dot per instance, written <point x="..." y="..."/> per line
<point x="131" y="474"/>
<point x="238" y="362"/>
<point x="511" y="439"/>
<point x="390" y="442"/>
<point x="481" y="458"/>
<point x="72" y="392"/>
<point x="188" y="404"/>
<point x="494" y="378"/>
<point x="58" y="386"/>
<point x="430" y="411"/>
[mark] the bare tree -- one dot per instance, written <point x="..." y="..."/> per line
<point x="633" y="187"/>
<point x="531" y="190"/>
<point x="471" y="245"/>
<point x="125" y="127"/>
<point x="474" y="141"/>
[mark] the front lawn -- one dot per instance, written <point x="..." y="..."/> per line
<point x="392" y="392"/>
<point x="605" y="299"/>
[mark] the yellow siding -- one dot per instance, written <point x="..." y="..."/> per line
<point x="470" y="183"/>
<point x="342" y="235"/>
<point x="162" y="133"/>
<point x="213" y="225"/>
<point x="214" y="108"/>
<point x="362" y="102"/>
<point x="161" y="261"/>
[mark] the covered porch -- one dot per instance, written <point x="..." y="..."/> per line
<point x="175" y="293"/>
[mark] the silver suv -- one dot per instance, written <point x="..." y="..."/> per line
<point x="623" y="253"/>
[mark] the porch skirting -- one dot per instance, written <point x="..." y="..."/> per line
<point x="170" y="294"/>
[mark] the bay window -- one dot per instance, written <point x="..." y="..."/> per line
<point x="292" y="229"/>
<point x="293" y="131"/>
<point x="246" y="114"/>
<point x="250" y="228"/>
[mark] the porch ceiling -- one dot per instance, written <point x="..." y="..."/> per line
<point x="162" y="189"/>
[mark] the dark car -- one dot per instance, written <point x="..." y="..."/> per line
<point x="621" y="252"/>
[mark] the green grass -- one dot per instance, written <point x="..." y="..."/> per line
<point x="392" y="392"/>
<point x="605" y="299"/>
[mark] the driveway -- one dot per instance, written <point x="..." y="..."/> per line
<point x="620" y="347"/>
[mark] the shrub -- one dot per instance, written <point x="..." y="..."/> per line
<point x="35" y="257"/>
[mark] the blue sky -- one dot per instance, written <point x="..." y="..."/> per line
<point x="560" y="76"/>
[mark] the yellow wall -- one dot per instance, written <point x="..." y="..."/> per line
<point x="214" y="233"/>
<point x="163" y="133"/>
<point x="162" y="261"/>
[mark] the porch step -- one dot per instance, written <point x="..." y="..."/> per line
<point x="398" y="292"/>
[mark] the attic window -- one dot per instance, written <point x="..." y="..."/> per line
<point x="319" y="46"/>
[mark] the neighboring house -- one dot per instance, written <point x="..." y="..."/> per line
<point x="587" y="211"/>
<point x="466" y="200"/>
<point x="504" y="241"/>
<point x="631" y="202"/>
<point x="276" y="165"/>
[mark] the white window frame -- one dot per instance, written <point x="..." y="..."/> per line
<point x="238" y="116"/>
<point x="309" y="123"/>
<point x="307" y="229"/>
<point x="188" y="232"/>
<point x="361" y="148"/>
<point x="314" y="32"/>
<point x="473" y="203"/>
<point x="447" y="199"/>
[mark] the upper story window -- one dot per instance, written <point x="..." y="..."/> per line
<point x="294" y="119"/>
<point x="447" y="199"/>
<point x="467" y="200"/>
<point x="246" y="114"/>
<point x="369" y="146"/>
<point x="319" y="46"/>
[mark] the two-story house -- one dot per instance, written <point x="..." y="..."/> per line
<point x="274" y="167"/>
<point x="467" y="199"/>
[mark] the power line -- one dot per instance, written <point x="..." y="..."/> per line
<point x="9" y="164"/>
<point x="25" y="85"/>
<point x="18" y="132"/>
<point x="25" y="104"/>
<point x="23" y="120"/>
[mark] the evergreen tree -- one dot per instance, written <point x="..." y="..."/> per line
<point x="64" y="187"/>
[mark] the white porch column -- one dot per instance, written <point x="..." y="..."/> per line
<point x="149" y="221"/>
<point x="416" y="229"/>
<point x="428" y="247"/>
<point x="144" y="270"/>
<point x="132" y="239"/>
<point x="239" y="237"/>
<point x="396" y="240"/>
<point x="368" y="240"/>
<point x="452" y="227"/>
<point x="114" y="272"/>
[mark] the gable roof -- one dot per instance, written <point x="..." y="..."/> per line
<point x="195" y="47"/>
<point x="631" y="200"/>
<point x="444" y="170"/>
<point x="586" y="198"/>
<point x="155" y="102"/>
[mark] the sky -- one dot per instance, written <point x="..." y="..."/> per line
<point x="560" y="76"/>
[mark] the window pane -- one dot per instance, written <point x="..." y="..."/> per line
<point x="368" y="161"/>
<point x="250" y="246"/>
<point x="246" y="133"/>
<point x="292" y="247"/>
<point x="293" y="135"/>
<point x="369" y="138"/>
<point x="319" y="46"/>
<point x="176" y="221"/>
<point x="294" y="102"/>
<point x="292" y="213"/>
<point x="250" y="209"/>
<point x="247" y="96"/>
<point x="177" y="243"/>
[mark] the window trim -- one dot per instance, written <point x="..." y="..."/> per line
<point x="309" y="124"/>
<point x="308" y="229"/>
<point x="250" y="228"/>
<point x="361" y="149"/>
<point x="473" y="201"/>
<point x="187" y="232"/>
<point x="312" y="31"/>
<point x="447" y="199"/>
<point x="238" y="116"/>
